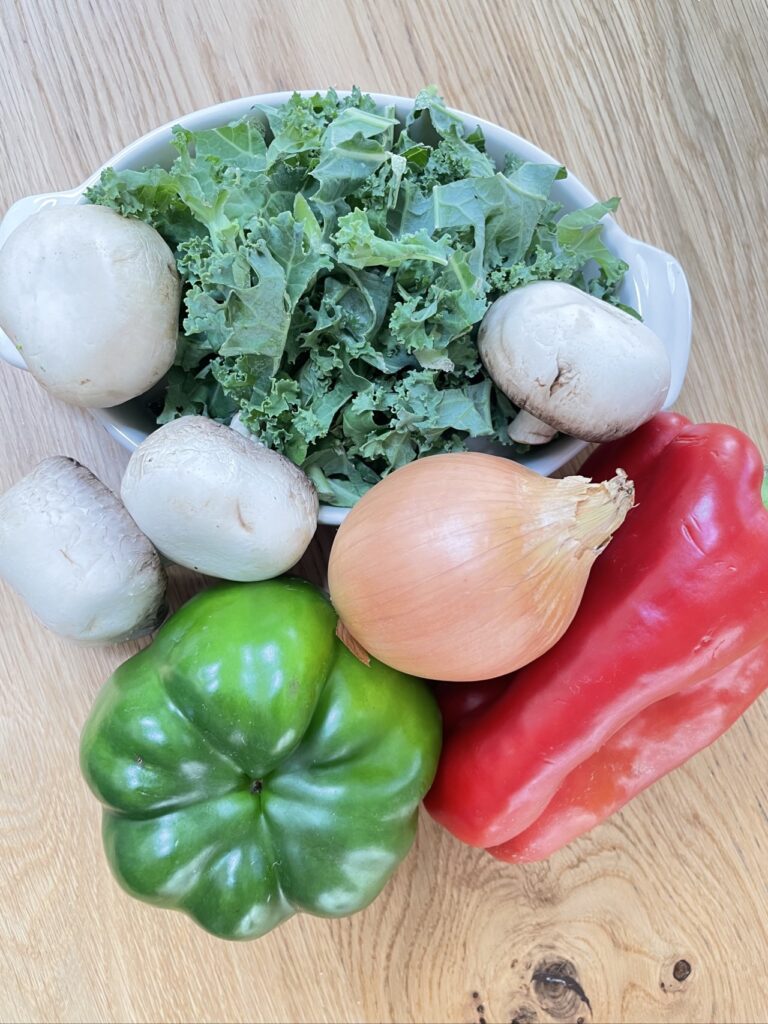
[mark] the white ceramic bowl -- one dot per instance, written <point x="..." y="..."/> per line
<point x="655" y="283"/>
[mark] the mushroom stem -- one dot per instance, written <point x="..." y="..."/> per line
<point x="528" y="429"/>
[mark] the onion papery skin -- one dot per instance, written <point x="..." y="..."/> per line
<point x="467" y="566"/>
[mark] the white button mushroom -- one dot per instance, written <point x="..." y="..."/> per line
<point x="215" y="501"/>
<point x="70" y="549"/>
<point x="91" y="300"/>
<point x="572" y="363"/>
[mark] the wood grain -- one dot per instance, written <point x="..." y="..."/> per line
<point x="665" y="104"/>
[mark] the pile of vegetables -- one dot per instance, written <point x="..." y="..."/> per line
<point x="335" y="268"/>
<point x="268" y="751"/>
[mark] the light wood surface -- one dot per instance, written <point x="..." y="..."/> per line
<point x="663" y="103"/>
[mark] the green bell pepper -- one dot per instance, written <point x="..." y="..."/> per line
<point x="251" y="767"/>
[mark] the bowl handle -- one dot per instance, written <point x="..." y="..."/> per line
<point x="14" y="216"/>
<point x="658" y="273"/>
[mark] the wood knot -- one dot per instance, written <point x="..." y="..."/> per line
<point x="681" y="970"/>
<point x="675" y="974"/>
<point x="557" y="989"/>
<point x="524" y="1015"/>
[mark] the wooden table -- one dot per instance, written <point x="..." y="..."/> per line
<point x="664" y="104"/>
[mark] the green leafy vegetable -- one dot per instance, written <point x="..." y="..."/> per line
<point x="336" y="267"/>
<point x="359" y="246"/>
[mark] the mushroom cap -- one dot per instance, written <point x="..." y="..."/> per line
<point x="215" y="501"/>
<point x="91" y="300"/>
<point x="574" y="361"/>
<point x="72" y="551"/>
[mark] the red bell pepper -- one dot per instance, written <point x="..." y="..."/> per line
<point x="650" y="745"/>
<point x="457" y="700"/>
<point x="669" y="646"/>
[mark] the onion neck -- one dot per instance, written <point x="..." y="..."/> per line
<point x="602" y="510"/>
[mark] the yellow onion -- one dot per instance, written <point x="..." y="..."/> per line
<point x="467" y="566"/>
